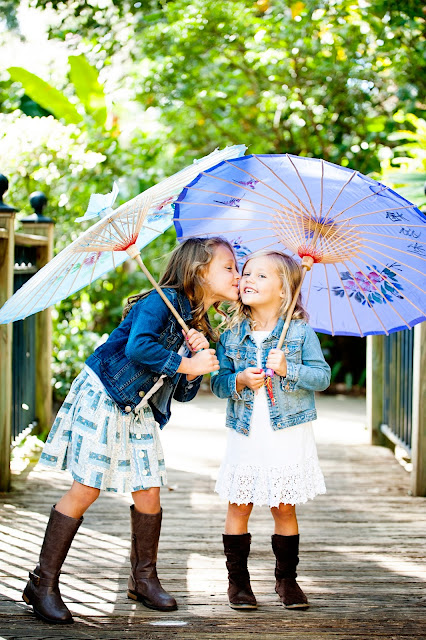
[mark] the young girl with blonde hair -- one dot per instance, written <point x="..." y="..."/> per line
<point x="106" y="432"/>
<point x="271" y="455"/>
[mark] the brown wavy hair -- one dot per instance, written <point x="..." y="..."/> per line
<point x="290" y="274"/>
<point x="186" y="272"/>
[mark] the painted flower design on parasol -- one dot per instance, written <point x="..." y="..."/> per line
<point x="364" y="287"/>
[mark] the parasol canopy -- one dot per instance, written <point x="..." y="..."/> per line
<point x="361" y="244"/>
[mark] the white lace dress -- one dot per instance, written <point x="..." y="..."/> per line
<point x="267" y="466"/>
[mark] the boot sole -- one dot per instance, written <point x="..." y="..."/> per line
<point x="248" y="607"/>
<point x="147" y="603"/>
<point x="40" y="616"/>
<point x="296" y="606"/>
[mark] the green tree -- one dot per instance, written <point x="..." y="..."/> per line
<point x="310" y="78"/>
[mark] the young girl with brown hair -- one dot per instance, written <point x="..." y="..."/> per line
<point x="106" y="432"/>
<point x="271" y="456"/>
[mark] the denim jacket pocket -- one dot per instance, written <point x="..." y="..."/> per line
<point x="238" y="357"/>
<point x="293" y="350"/>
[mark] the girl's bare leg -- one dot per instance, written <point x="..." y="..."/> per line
<point x="285" y="519"/>
<point x="77" y="500"/>
<point x="237" y="518"/>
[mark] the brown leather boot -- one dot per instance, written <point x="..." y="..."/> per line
<point x="237" y="549"/>
<point x="286" y="550"/>
<point x="42" y="590"/>
<point x="144" y="584"/>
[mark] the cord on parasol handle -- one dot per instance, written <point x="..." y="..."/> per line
<point x="307" y="262"/>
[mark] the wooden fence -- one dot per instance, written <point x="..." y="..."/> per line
<point x="396" y="398"/>
<point x="16" y="412"/>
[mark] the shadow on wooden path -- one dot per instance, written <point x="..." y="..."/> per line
<point x="362" y="546"/>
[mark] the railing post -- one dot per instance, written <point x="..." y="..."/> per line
<point x="37" y="224"/>
<point x="418" y="447"/>
<point x="374" y="383"/>
<point x="7" y="260"/>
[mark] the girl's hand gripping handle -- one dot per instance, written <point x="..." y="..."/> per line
<point x="277" y="363"/>
<point x="196" y="341"/>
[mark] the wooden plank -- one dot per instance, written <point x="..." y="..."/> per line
<point x="6" y="335"/>
<point x="362" y="560"/>
<point x="31" y="240"/>
<point x="43" y="400"/>
<point x="374" y="385"/>
<point x="418" y="474"/>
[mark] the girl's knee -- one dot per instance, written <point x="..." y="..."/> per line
<point x="147" y="500"/>
<point x="241" y="510"/>
<point x="284" y="511"/>
<point x="83" y="493"/>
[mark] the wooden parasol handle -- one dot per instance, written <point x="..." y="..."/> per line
<point x="307" y="263"/>
<point x="134" y="253"/>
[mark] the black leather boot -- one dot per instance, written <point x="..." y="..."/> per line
<point x="286" y="550"/>
<point x="237" y="549"/>
<point x="144" y="584"/>
<point x="42" y="590"/>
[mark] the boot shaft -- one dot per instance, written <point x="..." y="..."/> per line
<point x="286" y="551"/>
<point x="60" y="532"/>
<point x="237" y="550"/>
<point x="145" y="529"/>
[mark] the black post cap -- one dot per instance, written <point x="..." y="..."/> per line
<point x="38" y="201"/>
<point x="4" y="186"/>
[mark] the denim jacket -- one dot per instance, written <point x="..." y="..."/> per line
<point x="307" y="372"/>
<point x="142" y="348"/>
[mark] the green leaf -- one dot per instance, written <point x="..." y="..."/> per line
<point x="45" y="95"/>
<point x="91" y="93"/>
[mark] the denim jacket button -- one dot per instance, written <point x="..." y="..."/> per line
<point x="141" y="394"/>
<point x="155" y="378"/>
<point x="127" y="409"/>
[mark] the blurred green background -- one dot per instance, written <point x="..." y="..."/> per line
<point x="103" y="90"/>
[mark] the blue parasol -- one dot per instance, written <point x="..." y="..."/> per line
<point x="362" y="246"/>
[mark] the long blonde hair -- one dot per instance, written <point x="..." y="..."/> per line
<point x="290" y="274"/>
<point x="186" y="272"/>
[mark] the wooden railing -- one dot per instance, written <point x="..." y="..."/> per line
<point x="25" y="348"/>
<point x="396" y="397"/>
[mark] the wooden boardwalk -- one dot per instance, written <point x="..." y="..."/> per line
<point x="362" y="546"/>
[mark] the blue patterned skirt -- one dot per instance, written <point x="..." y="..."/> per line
<point x="100" y="445"/>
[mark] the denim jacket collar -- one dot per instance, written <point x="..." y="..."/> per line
<point x="245" y="329"/>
